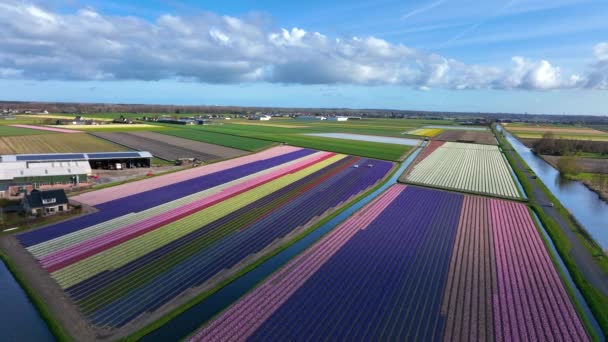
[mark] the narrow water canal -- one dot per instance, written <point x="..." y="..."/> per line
<point x="585" y="205"/>
<point x="19" y="320"/>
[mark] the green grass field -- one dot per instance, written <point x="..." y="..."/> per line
<point x="256" y="135"/>
<point x="8" y="131"/>
<point x="239" y="142"/>
<point x="292" y="136"/>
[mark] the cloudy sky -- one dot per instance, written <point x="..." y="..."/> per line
<point x="532" y="56"/>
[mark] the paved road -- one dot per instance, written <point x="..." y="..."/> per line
<point x="581" y="255"/>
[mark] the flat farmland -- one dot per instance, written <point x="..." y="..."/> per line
<point x="110" y="127"/>
<point x="478" y="137"/>
<point x="170" y="147"/>
<point x="415" y="264"/>
<point x="47" y="128"/>
<point x="217" y="138"/>
<point x="13" y="130"/>
<point x="154" y="244"/>
<point x="464" y="167"/>
<point x="367" y="138"/>
<point x="56" y="143"/>
<point x="265" y="135"/>
<point x="588" y="165"/>
<point x="537" y="132"/>
<point x="380" y="127"/>
<point x="426" y="132"/>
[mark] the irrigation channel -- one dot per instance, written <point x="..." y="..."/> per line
<point x="191" y="319"/>
<point x="20" y="319"/>
<point x="585" y="205"/>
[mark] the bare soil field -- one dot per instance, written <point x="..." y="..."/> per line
<point x="170" y="147"/>
<point x="56" y="143"/>
<point x="590" y="165"/>
<point x="478" y="137"/>
<point x="586" y="146"/>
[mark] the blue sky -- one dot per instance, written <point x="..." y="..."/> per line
<point x="499" y="56"/>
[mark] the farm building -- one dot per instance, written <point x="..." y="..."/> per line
<point x="79" y="120"/>
<point x="46" y="202"/>
<point x="180" y="121"/>
<point x="338" y="118"/>
<point x="24" y="172"/>
<point x="260" y="117"/>
<point x="311" y="118"/>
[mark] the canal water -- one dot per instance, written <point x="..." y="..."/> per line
<point x="585" y="205"/>
<point x="19" y="319"/>
<point x="189" y="321"/>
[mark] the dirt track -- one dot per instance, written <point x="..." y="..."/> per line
<point x="467" y="136"/>
<point x="169" y="147"/>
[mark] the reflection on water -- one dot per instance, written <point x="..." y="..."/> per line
<point x="585" y="205"/>
<point x="19" y="319"/>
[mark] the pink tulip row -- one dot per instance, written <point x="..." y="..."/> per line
<point x="44" y="128"/>
<point x="75" y="253"/>
<point x="243" y="318"/>
<point x="124" y="190"/>
<point x="531" y="302"/>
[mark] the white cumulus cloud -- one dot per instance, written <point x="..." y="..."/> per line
<point x="89" y="45"/>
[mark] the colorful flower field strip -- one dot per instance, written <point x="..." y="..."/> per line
<point x="139" y="252"/>
<point x="502" y="283"/>
<point x="117" y="192"/>
<point x="65" y="241"/>
<point x="384" y="281"/>
<point x="44" y="128"/>
<point x="141" y="201"/>
<point x="63" y="258"/>
<point x="426" y="132"/>
<point x="381" y="274"/>
<point x="531" y="301"/>
<point x="467" y="301"/>
<point x="468" y="167"/>
<point x="197" y="261"/>
<point x="244" y="317"/>
<point x="125" y="252"/>
<point x="429" y="149"/>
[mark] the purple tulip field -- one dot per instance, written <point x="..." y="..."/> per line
<point x="414" y="264"/>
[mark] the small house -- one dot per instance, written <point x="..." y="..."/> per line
<point x="46" y="202"/>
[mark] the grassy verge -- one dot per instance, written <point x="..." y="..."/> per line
<point x="596" y="300"/>
<point x="202" y="296"/>
<point x="54" y="326"/>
